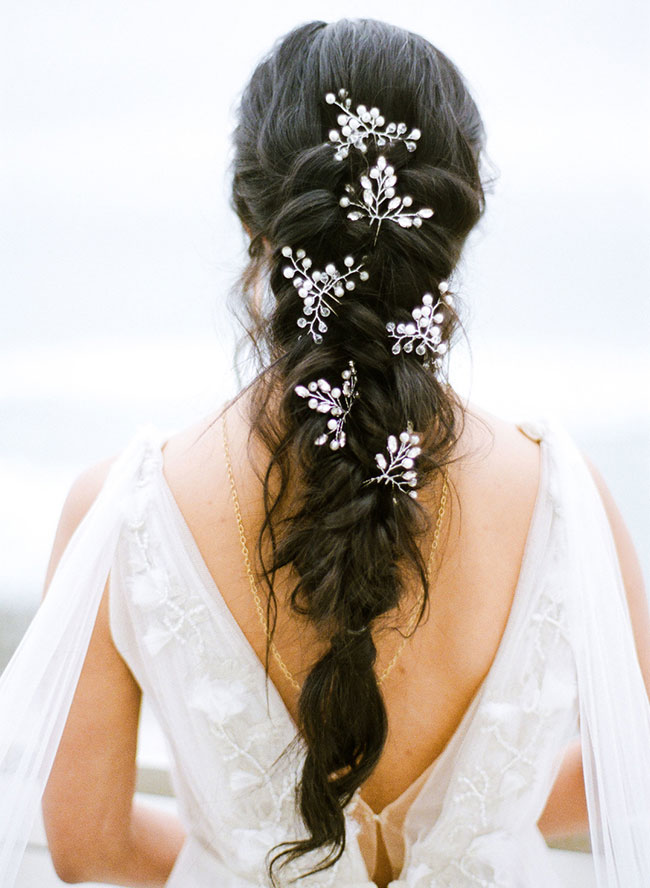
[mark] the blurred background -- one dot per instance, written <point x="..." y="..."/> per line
<point x="118" y="246"/>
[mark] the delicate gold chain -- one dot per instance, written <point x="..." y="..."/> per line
<point x="253" y="585"/>
<point x="247" y="561"/>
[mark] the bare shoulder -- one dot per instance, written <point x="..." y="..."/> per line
<point x="193" y="460"/>
<point x="84" y="491"/>
<point x="498" y="460"/>
<point x="195" y="472"/>
<point x="196" y="439"/>
<point x="81" y="496"/>
<point x="495" y="481"/>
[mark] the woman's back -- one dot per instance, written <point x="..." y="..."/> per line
<point x="493" y="487"/>
<point x="470" y="807"/>
<point x="492" y="494"/>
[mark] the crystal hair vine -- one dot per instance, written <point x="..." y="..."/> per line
<point x="366" y="123"/>
<point x="322" y="291"/>
<point x="396" y="465"/>
<point x="379" y="200"/>
<point x="319" y="290"/>
<point x="424" y="333"/>
<point x="335" y="400"/>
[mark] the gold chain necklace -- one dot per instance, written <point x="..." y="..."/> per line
<point x="253" y="585"/>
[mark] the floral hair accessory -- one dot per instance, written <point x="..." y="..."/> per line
<point x="379" y="200"/>
<point x="319" y="290"/>
<point x="396" y="465"/>
<point x="336" y="401"/>
<point x="424" y="333"/>
<point x="366" y="123"/>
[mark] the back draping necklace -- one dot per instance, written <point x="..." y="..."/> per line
<point x="410" y="627"/>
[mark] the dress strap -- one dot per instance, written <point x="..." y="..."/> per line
<point x="533" y="429"/>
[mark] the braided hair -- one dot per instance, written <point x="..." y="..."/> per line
<point x="350" y="544"/>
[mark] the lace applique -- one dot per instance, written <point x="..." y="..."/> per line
<point x="179" y="613"/>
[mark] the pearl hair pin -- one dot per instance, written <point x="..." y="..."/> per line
<point x="337" y="401"/>
<point x="396" y="466"/>
<point x="319" y="290"/>
<point x="424" y="333"/>
<point x="379" y="200"/>
<point x="367" y="123"/>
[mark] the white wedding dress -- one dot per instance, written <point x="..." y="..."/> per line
<point x="566" y="663"/>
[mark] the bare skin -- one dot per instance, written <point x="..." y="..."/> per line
<point x="94" y="830"/>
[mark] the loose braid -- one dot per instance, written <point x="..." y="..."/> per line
<point x="351" y="545"/>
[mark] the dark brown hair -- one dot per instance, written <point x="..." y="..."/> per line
<point x="350" y="545"/>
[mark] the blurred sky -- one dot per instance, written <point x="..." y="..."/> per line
<point x="117" y="245"/>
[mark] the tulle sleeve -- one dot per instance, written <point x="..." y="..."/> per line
<point x="38" y="685"/>
<point x="614" y="709"/>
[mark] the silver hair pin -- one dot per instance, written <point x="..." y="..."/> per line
<point x="424" y="333"/>
<point x="336" y="401"/>
<point x="396" y="465"/>
<point x="366" y="123"/>
<point x="320" y="291"/>
<point x="379" y="200"/>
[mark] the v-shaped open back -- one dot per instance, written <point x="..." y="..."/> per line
<point x="236" y="761"/>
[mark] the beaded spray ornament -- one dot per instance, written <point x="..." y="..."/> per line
<point x="321" y="291"/>
<point x="335" y="400"/>
<point x="357" y="128"/>
<point x="379" y="200"/>
<point x="396" y="465"/>
<point x="424" y="333"/>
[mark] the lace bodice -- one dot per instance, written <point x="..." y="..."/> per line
<point x="468" y="821"/>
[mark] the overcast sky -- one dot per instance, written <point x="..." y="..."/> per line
<point x="117" y="245"/>
<point x="115" y="121"/>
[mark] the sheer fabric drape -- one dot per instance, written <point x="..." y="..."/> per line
<point x="614" y="709"/>
<point x="38" y="685"/>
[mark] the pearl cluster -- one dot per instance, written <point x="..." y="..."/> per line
<point x="320" y="291"/>
<point x="424" y="333"/>
<point x="379" y="200"/>
<point x="335" y="400"/>
<point x="366" y="123"/>
<point x="396" y="465"/>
